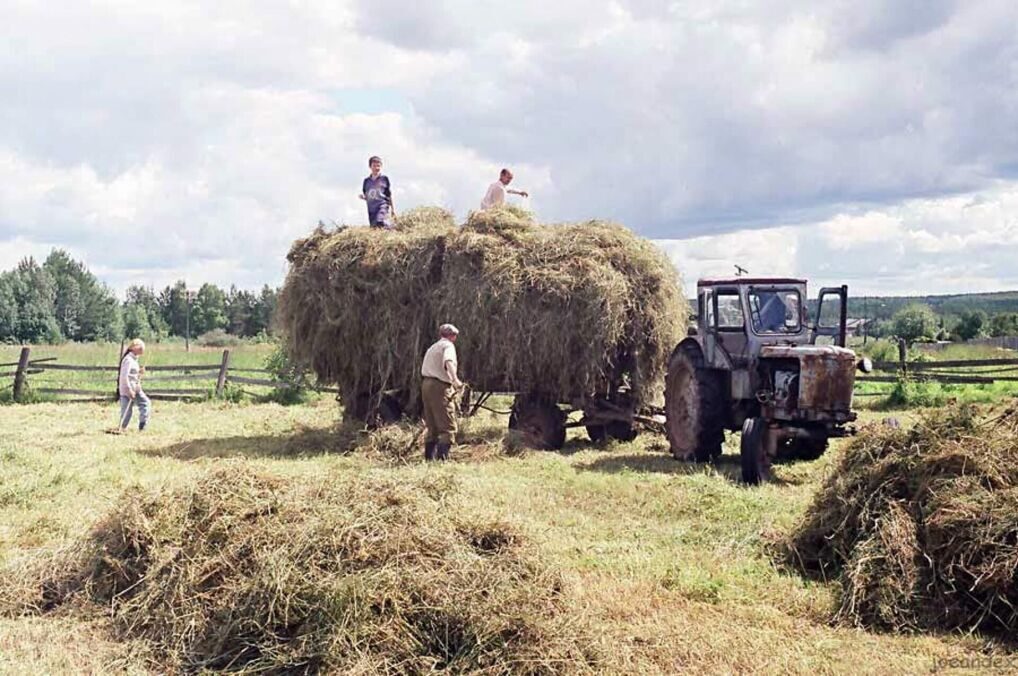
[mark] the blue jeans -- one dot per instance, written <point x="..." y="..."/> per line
<point x="127" y="408"/>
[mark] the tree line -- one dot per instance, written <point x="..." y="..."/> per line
<point x="62" y="300"/>
<point x="919" y="322"/>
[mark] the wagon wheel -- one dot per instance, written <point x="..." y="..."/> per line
<point x="362" y="408"/>
<point x="616" y="429"/>
<point x="390" y="410"/>
<point x="756" y="466"/>
<point x="541" y="423"/>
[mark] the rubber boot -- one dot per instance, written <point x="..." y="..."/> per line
<point x="429" y="450"/>
<point x="443" y="450"/>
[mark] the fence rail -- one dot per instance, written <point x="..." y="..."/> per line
<point x="955" y="372"/>
<point x="219" y="376"/>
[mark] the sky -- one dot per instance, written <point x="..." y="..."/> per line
<point x="872" y="142"/>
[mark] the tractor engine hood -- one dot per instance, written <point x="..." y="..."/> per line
<point x="826" y="376"/>
<point x="803" y="351"/>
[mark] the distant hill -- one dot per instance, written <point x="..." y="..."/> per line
<point x="883" y="307"/>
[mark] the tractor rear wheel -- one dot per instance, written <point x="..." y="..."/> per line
<point x="756" y="466"/>
<point x="693" y="408"/>
<point x="540" y="422"/>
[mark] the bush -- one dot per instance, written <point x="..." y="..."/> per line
<point x="294" y="379"/>
<point x="909" y="393"/>
<point x="218" y="338"/>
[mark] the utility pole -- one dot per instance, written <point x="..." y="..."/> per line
<point x="188" y="297"/>
<point x="865" y="319"/>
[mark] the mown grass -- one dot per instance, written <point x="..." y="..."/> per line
<point x="672" y="561"/>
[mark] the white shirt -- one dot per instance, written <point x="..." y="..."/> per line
<point x="435" y="359"/>
<point x="130" y="375"/>
<point x="495" y="195"/>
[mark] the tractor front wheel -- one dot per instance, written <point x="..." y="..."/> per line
<point x="756" y="466"/>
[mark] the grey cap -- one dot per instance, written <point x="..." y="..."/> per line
<point x="447" y="330"/>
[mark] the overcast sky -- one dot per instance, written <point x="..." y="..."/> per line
<point x="871" y="142"/>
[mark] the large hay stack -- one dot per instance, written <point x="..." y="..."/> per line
<point x="250" y="572"/>
<point x="921" y="525"/>
<point x="565" y="310"/>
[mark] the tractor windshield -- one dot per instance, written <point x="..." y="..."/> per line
<point x="775" y="311"/>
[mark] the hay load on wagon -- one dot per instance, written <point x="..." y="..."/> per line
<point x="573" y="313"/>
<point x="920" y="526"/>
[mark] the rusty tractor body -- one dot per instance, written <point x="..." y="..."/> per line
<point x="753" y="364"/>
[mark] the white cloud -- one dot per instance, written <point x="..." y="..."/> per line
<point x="878" y="137"/>
<point x="847" y="232"/>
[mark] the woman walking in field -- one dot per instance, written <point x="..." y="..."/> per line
<point x="130" y="386"/>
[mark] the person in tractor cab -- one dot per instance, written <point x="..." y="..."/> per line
<point x="773" y="311"/>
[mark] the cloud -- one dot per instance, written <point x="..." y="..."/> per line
<point x="944" y="245"/>
<point x="871" y="140"/>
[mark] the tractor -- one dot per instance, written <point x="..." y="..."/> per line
<point x="752" y="362"/>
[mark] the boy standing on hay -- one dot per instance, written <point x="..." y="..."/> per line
<point x="497" y="191"/>
<point x="377" y="192"/>
<point x="130" y="387"/>
<point x="439" y="383"/>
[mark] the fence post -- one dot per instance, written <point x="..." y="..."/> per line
<point x="903" y="356"/>
<point x="19" y="375"/>
<point x="223" y="368"/>
<point x="120" y="359"/>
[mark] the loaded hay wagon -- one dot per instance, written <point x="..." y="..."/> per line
<point x="573" y="317"/>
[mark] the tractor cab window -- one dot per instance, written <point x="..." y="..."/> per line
<point x="775" y="311"/>
<point x="729" y="314"/>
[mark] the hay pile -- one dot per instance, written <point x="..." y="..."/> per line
<point x="921" y="525"/>
<point x="568" y="311"/>
<point x="247" y="571"/>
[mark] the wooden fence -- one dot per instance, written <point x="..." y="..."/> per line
<point x="218" y="375"/>
<point x="961" y="372"/>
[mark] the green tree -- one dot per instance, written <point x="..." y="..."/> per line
<point x="915" y="322"/>
<point x="8" y="309"/>
<point x="265" y="311"/>
<point x="84" y="308"/>
<point x="1004" y="324"/>
<point x="173" y="307"/>
<point x="240" y="312"/>
<point x="142" y="314"/>
<point x="35" y="296"/>
<point x="209" y="310"/>
<point x="971" y="325"/>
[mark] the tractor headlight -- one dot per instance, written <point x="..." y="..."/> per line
<point x="865" y="365"/>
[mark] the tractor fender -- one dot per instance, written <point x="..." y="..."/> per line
<point x="691" y="347"/>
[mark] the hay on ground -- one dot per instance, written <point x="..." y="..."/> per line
<point x="568" y="311"/>
<point x="921" y="525"/>
<point x="246" y="571"/>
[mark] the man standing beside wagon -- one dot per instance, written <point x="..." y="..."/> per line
<point x="439" y="383"/>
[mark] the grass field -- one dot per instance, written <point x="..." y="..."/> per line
<point x="671" y="561"/>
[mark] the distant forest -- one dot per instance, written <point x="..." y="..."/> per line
<point x="61" y="300"/>
<point x="939" y="317"/>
